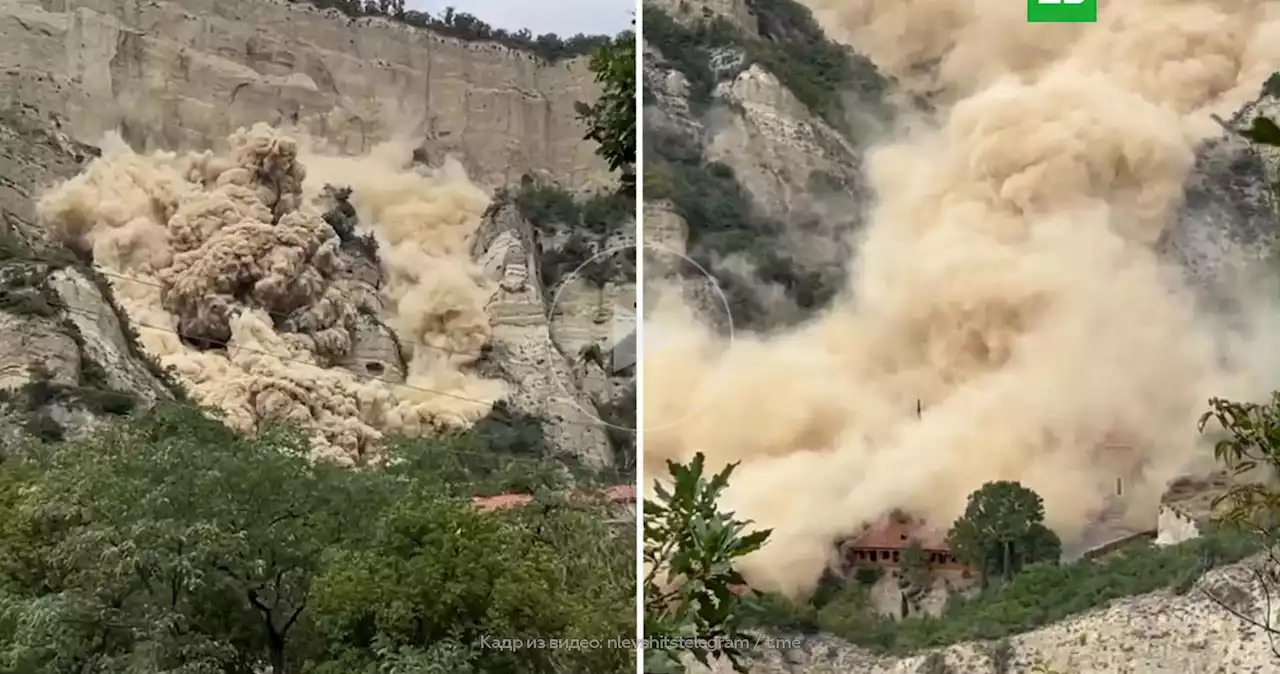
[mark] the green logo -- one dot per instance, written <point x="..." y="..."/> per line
<point x="1062" y="11"/>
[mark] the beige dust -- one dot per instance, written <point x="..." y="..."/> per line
<point x="1007" y="282"/>
<point x="226" y="246"/>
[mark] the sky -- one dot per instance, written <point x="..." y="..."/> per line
<point x="562" y="17"/>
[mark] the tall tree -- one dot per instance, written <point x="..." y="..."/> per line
<point x="1001" y="529"/>
<point x="611" y="120"/>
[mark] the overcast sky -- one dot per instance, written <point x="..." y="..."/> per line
<point x="562" y="17"/>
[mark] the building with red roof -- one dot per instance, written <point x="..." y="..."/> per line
<point x="882" y="545"/>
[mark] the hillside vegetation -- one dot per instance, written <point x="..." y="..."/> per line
<point x="1039" y="595"/>
<point x="167" y="543"/>
<point x="723" y="221"/>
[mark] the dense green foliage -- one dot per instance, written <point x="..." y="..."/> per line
<point x="1002" y="530"/>
<point x="1041" y="594"/>
<point x="690" y="603"/>
<point x="465" y="26"/>
<point x="611" y="120"/>
<point x="170" y="544"/>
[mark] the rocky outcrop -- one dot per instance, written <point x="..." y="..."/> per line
<point x="182" y="75"/>
<point x="522" y="350"/>
<point x="59" y="327"/>
<point x="800" y="169"/>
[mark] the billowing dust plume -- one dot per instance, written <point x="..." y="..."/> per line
<point x="1006" y="282"/>
<point x="233" y="278"/>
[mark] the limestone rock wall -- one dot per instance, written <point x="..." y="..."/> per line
<point x="183" y="74"/>
<point x="522" y="350"/>
<point x="53" y="316"/>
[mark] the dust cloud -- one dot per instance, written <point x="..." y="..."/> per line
<point x="1007" y="282"/>
<point x="234" y="279"/>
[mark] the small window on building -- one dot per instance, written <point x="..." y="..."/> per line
<point x="884" y="554"/>
<point x="895" y="556"/>
<point x="374" y="368"/>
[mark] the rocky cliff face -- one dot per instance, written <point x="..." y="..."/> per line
<point x="58" y="317"/>
<point x="186" y="74"/>
<point x="181" y="76"/>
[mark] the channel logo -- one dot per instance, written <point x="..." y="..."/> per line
<point x="1062" y="11"/>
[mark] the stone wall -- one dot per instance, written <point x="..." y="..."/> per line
<point x="184" y="74"/>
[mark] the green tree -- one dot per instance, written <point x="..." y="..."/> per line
<point x="611" y="120"/>
<point x="441" y="573"/>
<point x="691" y="590"/>
<point x="998" y="531"/>
<point x="914" y="577"/>
<point x="170" y="544"/>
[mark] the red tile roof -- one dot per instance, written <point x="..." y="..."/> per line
<point x="895" y="532"/>
<point x="619" y="493"/>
